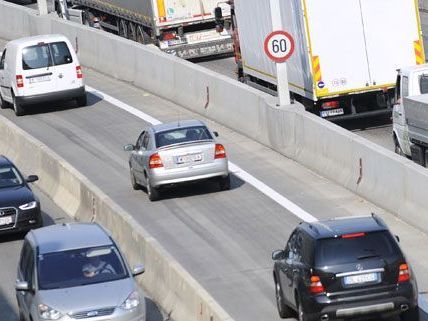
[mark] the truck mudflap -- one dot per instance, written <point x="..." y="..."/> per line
<point x="199" y="50"/>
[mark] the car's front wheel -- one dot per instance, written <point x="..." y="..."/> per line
<point x="410" y="315"/>
<point x="284" y="310"/>
<point x="152" y="192"/>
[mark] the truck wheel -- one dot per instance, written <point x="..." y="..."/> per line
<point x="397" y="148"/>
<point x="17" y="107"/>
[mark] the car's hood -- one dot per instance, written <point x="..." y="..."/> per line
<point x="15" y="196"/>
<point x="88" y="297"/>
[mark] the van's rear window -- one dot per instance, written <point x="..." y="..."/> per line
<point x="46" y="55"/>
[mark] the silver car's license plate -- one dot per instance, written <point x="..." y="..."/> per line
<point x="188" y="158"/>
<point x="361" y="278"/>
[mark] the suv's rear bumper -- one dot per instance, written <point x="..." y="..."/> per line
<point x="386" y="304"/>
<point x="52" y="96"/>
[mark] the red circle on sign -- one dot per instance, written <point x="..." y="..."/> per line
<point x="289" y="53"/>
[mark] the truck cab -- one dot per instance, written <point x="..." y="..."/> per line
<point x="411" y="81"/>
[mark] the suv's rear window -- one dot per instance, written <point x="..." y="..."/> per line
<point x="343" y="250"/>
<point x="46" y="55"/>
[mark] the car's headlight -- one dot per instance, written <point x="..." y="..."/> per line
<point x="47" y="313"/>
<point x="131" y="302"/>
<point x="28" y="206"/>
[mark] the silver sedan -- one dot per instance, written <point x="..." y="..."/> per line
<point x="175" y="153"/>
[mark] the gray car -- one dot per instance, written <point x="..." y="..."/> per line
<point x="177" y="152"/>
<point x="76" y="271"/>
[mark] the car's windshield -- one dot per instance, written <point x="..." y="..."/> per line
<point x="80" y="267"/>
<point x="9" y="177"/>
<point x="182" y="135"/>
<point x="340" y="250"/>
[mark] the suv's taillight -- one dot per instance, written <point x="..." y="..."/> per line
<point x="155" y="161"/>
<point x="316" y="286"/>
<point x="220" y="152"/>
<point x="403" y="273"/>
<point x="19" y="81"/>
<point x="79" y="72"/>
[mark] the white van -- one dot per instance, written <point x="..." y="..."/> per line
<point x="40" y="69"/>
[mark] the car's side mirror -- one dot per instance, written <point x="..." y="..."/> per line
<point x="32" y="178"/>
<point x="129" y="147"/>
<point x="138" y="269"/>
<point x="22" y="286"/>
<point x="278" y="255"/>
<point x="397" y="238"/>
<point x="215" y="134"/>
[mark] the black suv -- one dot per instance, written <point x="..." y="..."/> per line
<point x="347" y="268"/>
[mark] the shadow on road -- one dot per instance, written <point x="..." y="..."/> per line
<point x="7" y="311"/>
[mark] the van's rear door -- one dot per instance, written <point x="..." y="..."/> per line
<point x="393" y="38"/>
<point x="37" y="70"/>
<point x="65" y="62"/>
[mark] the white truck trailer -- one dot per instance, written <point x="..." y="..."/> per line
<point x="346" y="53"/>
<point x="184" y="28"/>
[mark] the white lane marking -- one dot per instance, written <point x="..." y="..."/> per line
<point x="236" y="170"/>
<point x="242" y="174"/>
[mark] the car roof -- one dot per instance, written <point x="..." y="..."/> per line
<point x="346" y="225"/>
<point x="177" y="124"/>
<point x="28" y="41"/>
<point x="4" y="161"/>
<point x="69" y="236"/>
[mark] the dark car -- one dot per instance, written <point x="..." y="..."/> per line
<point x="19" y="207"/>
<point x="348" y="268"/>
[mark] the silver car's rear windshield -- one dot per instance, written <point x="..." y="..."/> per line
<point x="182" y="135"/>
<point x="80" y="267"/>
<point x="9" y="177"/>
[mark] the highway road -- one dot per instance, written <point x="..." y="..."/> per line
<point x="10" y="247"/>
<point x="224" y="239"/>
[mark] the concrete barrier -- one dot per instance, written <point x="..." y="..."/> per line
<point x="167" y="282"/>
<point x="390" y="181"/>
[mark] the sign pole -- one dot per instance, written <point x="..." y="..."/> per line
<point x="281" y="68"/>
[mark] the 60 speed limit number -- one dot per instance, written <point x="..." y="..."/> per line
<point x="279" y="46"/>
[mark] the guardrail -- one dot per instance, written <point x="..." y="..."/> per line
<point x="380" y="176"/>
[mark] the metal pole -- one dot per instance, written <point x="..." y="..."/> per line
<point x="281" y="68"/>
<point x="43" y="7"/>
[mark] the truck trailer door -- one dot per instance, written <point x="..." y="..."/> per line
<point x="336" y="40"/>
<point x="391" y="30"/>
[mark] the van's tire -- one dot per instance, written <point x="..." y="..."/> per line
<point x="3" y="103"/>
<point x="17" y="107"/>
<point x="82" y="101"/>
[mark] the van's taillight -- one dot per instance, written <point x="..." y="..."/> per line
<point x="79" y="72"/>
<point x="330" y="104"/>
<point x="403" y="273"/>
<point x="353" y="235"/>
<point x="316" y="286"/>
<point x="19" y="81"/>
<point x="220" y="152"/>
<point x="155" y="161"/>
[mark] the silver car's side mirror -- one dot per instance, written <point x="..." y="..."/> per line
<point x="138" y="269"/>
<point x="22" y="286"/>
<point x="129" y="147"/>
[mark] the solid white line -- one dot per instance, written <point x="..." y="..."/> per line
<point x="236" y="170"/>
<point x="242" y="174"/>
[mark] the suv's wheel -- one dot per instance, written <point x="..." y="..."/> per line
<point x="134" y="183"/>
<point x="224" y="183"/>
<point x="284" y="310"/>
<point x="301" y="313"/>
<point x="410" y="315"/>
<point x="17" y="107"/>
<point x="152" y="192"/>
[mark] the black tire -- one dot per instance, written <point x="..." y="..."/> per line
<point x="284" y="310"/>
<point x="134" y="183"/>
<point x="21" y="316"/>
<point x="152" y="192"/>
<point x="82" y="101"/>
<point x="17" y="107"/>
<point x="3" y="103"/>
<point x="301" y="313"/>
<point x="224" y="183"/>
<point x="397" y="148"/>
<point x="410" y="315"/>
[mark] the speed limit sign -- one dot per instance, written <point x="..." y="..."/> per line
<point x="279" y="46"/>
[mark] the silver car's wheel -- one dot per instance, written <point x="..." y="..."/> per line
<point x="152" y="192"/>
